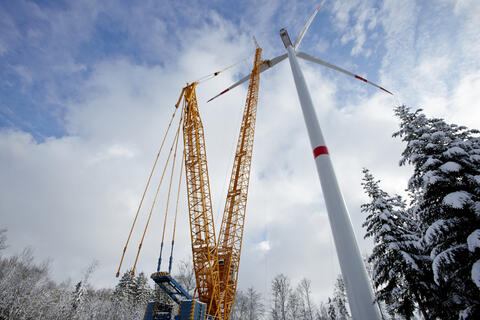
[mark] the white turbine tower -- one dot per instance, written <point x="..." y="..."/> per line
<point x="359" y="291"/>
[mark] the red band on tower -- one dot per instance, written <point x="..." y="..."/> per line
<point x="319" y="151"/>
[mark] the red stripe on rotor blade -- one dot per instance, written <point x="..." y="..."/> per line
<point x="386" y="91"/>
<point x="320" y="5"/>
<point x="218" y="95"/>
<point x="319" y="151"/>
<point x="360" y="78"/>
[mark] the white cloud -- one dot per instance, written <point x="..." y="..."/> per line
<point x="9" y="34"/>
<point x="464" y="105"/>
<point x="355" y="20"/>
<point x="23" y="73"/>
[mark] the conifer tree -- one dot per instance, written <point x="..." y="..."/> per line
<point x="331" y="311"/>
<point x="445" y="189"/>
<point x="125" y="289"/>
<point x="123" y="298"/>
<point x="340" y="299"/>
<point x="143" y="291"/>
<point x="397" y="262"/>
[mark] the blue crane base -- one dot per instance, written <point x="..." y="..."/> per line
<point x="158" y="311"/>
<point x="170" y="286"/>
<point x="189" y="308"/>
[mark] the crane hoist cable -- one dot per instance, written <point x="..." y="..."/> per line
<point x="176" y="213"/>
<point x="156" y="196"/>
<point x="144" y="192"/>
<point x="168" y="197"/>
<point x="214" y="74"/>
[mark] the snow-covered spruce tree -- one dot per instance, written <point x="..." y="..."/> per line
<point x="340" y="299"/>
<point x="398" y="265"/>
<point x="123" y="297"/>
<point x="126" y="286"/>
<point x="78" y="295"/>
<point x="143" y="291"/>
<point x="445" y="187"/>
<point x="331" y="311"/>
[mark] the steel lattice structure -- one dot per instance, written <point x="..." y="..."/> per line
<point x="231" y="231"/>
<point x="205" y="261"/>
<point x="216" y="264"/>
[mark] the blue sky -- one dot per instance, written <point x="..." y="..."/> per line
<point x="87" y="88"/>
<point x="49" y="49"/>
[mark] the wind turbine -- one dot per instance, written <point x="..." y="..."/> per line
<point x="359" y="290"/>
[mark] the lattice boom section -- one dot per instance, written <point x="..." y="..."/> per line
<point x="231" y="231"/>
<point x="205" y="261"/>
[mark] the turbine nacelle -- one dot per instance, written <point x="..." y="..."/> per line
<point x="285" y="38"/>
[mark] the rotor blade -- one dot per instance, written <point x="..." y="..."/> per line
<point x="304" y="30"/>
<point x="308" y="57"/>
<point x="266" y="64"/>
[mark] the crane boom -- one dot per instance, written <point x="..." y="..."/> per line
<point x="216" y="263"/>
<point x="231" y="232"/>
<point x="204" y="251"/>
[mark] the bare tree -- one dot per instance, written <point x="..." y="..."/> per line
<point x="322" y="312"/>
<point x="255" y="304"/>
<point x="240" y="306"/>
<point x="186" y="276"/>
<point x="3" y="239"/>
<point x="294" y="306"/>
<point x="305" y="291"/>
<point x="24" y="288"/>
<point x="281" y="291"/>
<point x="248" y="305"/>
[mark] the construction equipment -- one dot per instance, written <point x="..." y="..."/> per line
<point x="215" y="261"/>
<point x="216" y="264"/>
<point x="231" y="232"/>
<point x="202" y="230"/>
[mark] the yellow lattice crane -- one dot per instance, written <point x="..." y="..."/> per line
<point x="215" y="261"/>
<point x="231" y="232"/>
<point x="202" y="230"/>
